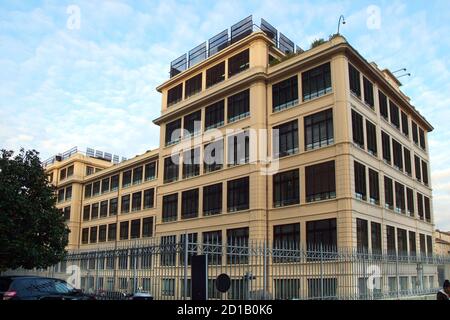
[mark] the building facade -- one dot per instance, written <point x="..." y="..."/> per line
<point x="317" y="147"/>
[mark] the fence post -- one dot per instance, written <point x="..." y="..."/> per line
<point x="135" y="256"/>
<point x="321" y="271"/>
<point x="185" y="244"/>
<point x="265" y="271"/>
<point x="397" y="275"/>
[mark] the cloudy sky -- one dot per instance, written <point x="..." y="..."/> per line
<point x="66" y="82"/>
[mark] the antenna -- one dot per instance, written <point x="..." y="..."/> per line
<point x="403" y="69"/>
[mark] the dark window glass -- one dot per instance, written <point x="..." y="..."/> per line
<point x="325" y="288"/>
<point x="112" y="232"/>
<point x="115" y="182"/>
<point x="125" y="204"/>
<point x="96" y="188"/>
<point x="238" y="63"/>
<point x="407" y="157"/>
<point x="319" y="129"/>
<point x="239" y="106"/>
<point x="316" y="82"/>
<point x="417" y="167"/>
<point x="189" y="204"/>
<point x="398" y="154"/>
<point x="427" y="209"/>
<point x="137" y="175"/>
<point x="399" y="197"/>
<point x="239" y="148"/>
<point x="237" y="245"/>
<point x="358" y="129"/>
<point x="147" y="227"/>
<point x="135" y="229"/>
<point x="320" y="182"/>
<point x="286" y="188"/>
<point x="422" y="244"/>
<point x="173" y="132"/>
<point x="136" y="204"/>
<point x="285" y="94"/>
<point x="192" y="123"/>
<point x="86" y="212"/>
<point x="285" y="139"/>
<point x="69" y="192"/>
<point x="415" y="132"/>
<point x="113" y="204"/>
<point x="422" y="138"/>
<point x="402" y="242"/>
<point x="286" y="236"/>
<point x="70" y="171"/>
<point x="168" y="254"/>
<point x="405" y="128"/>
<point x="215" y="74"/>
<point x="386" y="143"/>
<point x="149" y="198"/>
<point x="362" y="235"/>
<point x="410" y="201"/>
<point x="371" y="132"/>
<point x="420" y="205"/>
<point x="105" y="185"/>
<point x="368" y="92"/>
<point x="193" y="85"/>
<point x="429" y="246"/>
<point x="383" y="105"/>
<point x="67" y="213"/>
<point x="360" y="181"/>
<point x="124" y="226"/>
<point x="191" y="242"/>
<point x="104" y="208"/>
<point x="88" y="191"/>
<point x="85" y="236"/>
<point x="374" y="187"/>
<point x="390" y="235"/>
<point x="61" y="195"/>
<point x="425" y="172"/>
<point x="171" y="165"/>
<point x="395" y="115"/>
<point x="62" y="174"/>
<point x="412" y="244"/>
<point x="94" y="211"/>
<point x="212" y="199"/>
<point x="238" y="194"/>
<point x="191" y="163"/>
<point x="174" y="95"/>
<point x="355" y="84"/>
<point x="212" y="242"/>
<point x="126" y="178"/>
<point x="213" y="156"/>
<point x="93" y="235"/>
<point x="321" y="232"/>
<point x="150" y="171"/>
<point x="388" y="193"/>
<point x="170" y="207"/>
<point x="214" y="115"/>
<point x="102" y="233"/>
<point x="375" y="230"/>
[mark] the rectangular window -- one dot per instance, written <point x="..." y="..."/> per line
<point x="405" y="128"/>
<point x="360" y="181"/>
<point x="168" y="287"/>
<point x="96" y="188"/>
<point x="375" y="231"/>
<point x="104" y="209"/>
<point x="239" y="106"/>
<point x="85" y="236"/>
<point x="238" y="148"/>
<point x="115" y="182"/>
<point x="316" y="82"/>
<point x="86" y="212"/>
<point x="149" y="198"/>
<point x="424" y="173"/>
<point x="93" y="235"/>
<point x="213" y="156"/>
<point x="422" y="244"/>
<point x="89" y="170"/>
<point x="386" y="142"/>
<point x="374" y="187"/>
<point x="189" y="204"/>
<point x="319" y="129"/>
<point x="417" y="168"/>
<point x="192" y="124"/>
<point x="112" y="232"/>
<point x="88" y="191"/>
<point x="173" y="132"/>
<point x="320" y="182"/>
<point x="135" y="229"/>
<point x="70" y="171"/>
<point x="412" y="243"/>
<point x="388" y="193"/>
<point x="398" y="154"/>
<point x="212" y="245"/>
<point x="171" y="168"/>
<point x="94" y="211"/>
<point x="362" y="235"/>
<point x="67" y="213"/>
<point x="286" y="188"/>
<point x="238" y="194"/>
<point x="407" y="157"/>
<point x="147" y="227"/>
<point x="102" y="233"/>
<point x="410" y="202"/>
<point x="215" y="74"/>
<point x="191" y="163"/>
<point x="214" y="115"/>
<point x="402" y="242"/>
<point x="137" y="175"/>
<point x="126" y="178"/>
<point x="368" y="92"/>
<point x="354" y="77"/>
<point x="237" y="245"/>
<point x="61" y="195"/>
<point x="238" y="63"/>
<point x="285" y="139"/>
<point x="174" y="95"/>
<point x="170" y="207"/>
<point x="212" y="199"/>
<point x="191" y="241"/>
<point x="357" y="129"/>
<point x="399" y="197"/>
<point x="125" y="204"/>
<point x="415" y="132"/>
<point x="429" y="246"/>
<point x="105" y="185"/>
<point x="286" y="236"/>
<point x="321" y="232"/>
<point x="124" y="226"/>
<point x="422" y="138"/>
<point x="371" y="132"/>
<point x="193" y="85"/>
<point x="69" y="189"/>
<point x="62" y="174"/>
<point x="427" y="209"/>
<point x="150" y="171"/>
<point x="390" y="237"/>
<point x="420" y="205"/>
<point x="383" y="105"/>
<point x="136" y="201"/>
<point x="395" y="115"/>
<point x="285" y="94"/>
<point x="113" y="204"/>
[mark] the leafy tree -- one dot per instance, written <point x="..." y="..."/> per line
<point x="33" y="233"/>
<point x="317" y="42"/>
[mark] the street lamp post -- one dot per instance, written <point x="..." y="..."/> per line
<point x="339" y="22"/>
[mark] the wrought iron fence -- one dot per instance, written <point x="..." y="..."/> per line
<point x="257" y="271"/>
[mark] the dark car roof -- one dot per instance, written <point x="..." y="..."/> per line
<point x="27" y="277"/>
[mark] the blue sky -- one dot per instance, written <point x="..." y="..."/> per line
<point x="95" y="86"/>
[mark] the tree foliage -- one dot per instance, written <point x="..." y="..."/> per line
<point x="33" y="233"/>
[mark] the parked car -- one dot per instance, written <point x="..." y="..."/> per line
<point x="38" y="288"/>
<point x="141" y="296"/>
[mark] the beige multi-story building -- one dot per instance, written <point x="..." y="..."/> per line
<point x="316" y="147"/>
<point x="442" y="243"/>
